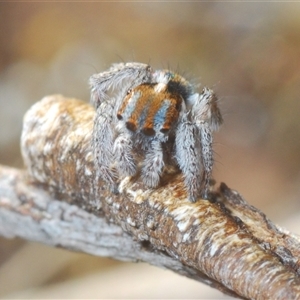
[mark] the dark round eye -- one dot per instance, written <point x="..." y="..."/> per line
<point x="149" y="131"/>
<point x="165" y="130"/>
<point x="131" y="126"/>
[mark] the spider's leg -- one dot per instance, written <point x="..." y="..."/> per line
<point x="103" y="144"/>
<point x="122" y="150"/>
<point x="107" y="92"/>
<point x="207" y="156"/>
<point x="118" y="79"/>
<point x="153" y="164"/>
<point x="188" y="156"/>
<point x="207" y="117"/>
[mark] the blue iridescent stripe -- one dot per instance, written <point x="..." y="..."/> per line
<point x="160" y="116"/>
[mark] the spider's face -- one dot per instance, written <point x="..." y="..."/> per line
<point x="151" y="108"/>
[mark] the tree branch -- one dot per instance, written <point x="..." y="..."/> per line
<point x="30" y="212"/>
<point x="225" y="243"/>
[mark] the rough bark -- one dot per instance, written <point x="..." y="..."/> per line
<point x="30" y="212"/>
<point x="224" y="242"/>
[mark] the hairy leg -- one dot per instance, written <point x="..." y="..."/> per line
<point x="117" y="80"/>
<point x="206" y="116"/>
<point x="123" y="154"/>
<point x="107" y="92"/>
<point x="102" y="146"/>
<point x="207" y="157"/>
<point x="188" y="156"/>
<point x="153" y="165"/>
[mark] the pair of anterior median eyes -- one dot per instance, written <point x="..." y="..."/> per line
<point x="150" y="108"/>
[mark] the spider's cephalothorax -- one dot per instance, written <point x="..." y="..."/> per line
<point x="152" y="115"/>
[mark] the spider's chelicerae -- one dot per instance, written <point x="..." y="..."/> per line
<point x="147" y="119"/>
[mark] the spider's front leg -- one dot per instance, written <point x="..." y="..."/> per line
<point x="102" y="144"/>
<point x="207" y="117"/>
<point x="207" y="157"/>
<point x="118" y="80"/>
<point x="108" y="90"/>
<point x="188" y="156"/>
<point x="153" y="164"/>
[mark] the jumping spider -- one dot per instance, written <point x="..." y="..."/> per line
<point x="158" y="117"/>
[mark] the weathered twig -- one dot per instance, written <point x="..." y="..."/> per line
<point x="30" y="212"/>
<point x="227" y="241"/>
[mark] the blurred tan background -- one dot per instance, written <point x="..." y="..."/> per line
<point x="249" y="53"/>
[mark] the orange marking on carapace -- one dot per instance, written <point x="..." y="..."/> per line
<point x="147" y="106"/>
<point x="172" y="112"/>
<point x="124" y="105"/>
<point x="143" y="103"/>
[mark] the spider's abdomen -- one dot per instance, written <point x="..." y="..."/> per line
<point x="150" y="108"/>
